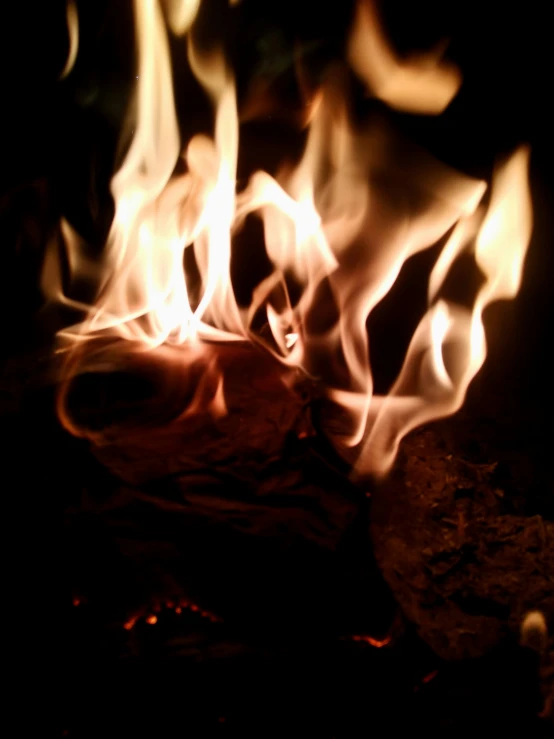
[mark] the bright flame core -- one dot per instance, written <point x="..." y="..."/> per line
<point x="326" y="222"/>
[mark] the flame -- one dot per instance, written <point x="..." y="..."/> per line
<point x="425" y="388"/>
<point x="180" y="14"/>
<point x="73" y="32"/>
<point x="424" y="84"/>
<point x="340" y="223"/>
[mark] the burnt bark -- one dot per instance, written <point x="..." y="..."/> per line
<point x="254" y="557"/>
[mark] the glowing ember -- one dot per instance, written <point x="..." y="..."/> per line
<point x="152" y="619"/>
<point x="534" y="632"/>
<point x="326" y="223"/>
<point x="128" y="625"/>
<point x="377" y="643"/>
<point x="431" y="676"/>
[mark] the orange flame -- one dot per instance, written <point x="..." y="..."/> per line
<point x="327" y="222"/>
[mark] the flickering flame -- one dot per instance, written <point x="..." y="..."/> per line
<point x="328" y="224"/>
<point x="180" y="14"/>
<point x="73" y="32"/>
<point x="424" y="84"/>
<point x="425" y="388"/>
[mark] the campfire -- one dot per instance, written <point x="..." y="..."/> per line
<point x="335" y="238"/>
<point x="252" y="480"/>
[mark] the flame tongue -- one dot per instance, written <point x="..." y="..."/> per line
<point x="341" y="224"/>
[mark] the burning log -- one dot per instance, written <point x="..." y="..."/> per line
<point x="279" y="553"/>
<point x="453" y="541"/>
<point x="188" y="409"/>
<point x="255" y="484"/>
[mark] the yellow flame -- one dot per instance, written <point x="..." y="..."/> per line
<point x="341" y="223"/>
<point x="423" y="84"/>
<point x="73" y="32"/>
<point x="181" y="14"/>
<point x="421" y="394"/>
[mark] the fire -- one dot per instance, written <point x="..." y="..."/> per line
<point x="73" y="32"/>
<point x="425" y="84"/>
<point x="328" y="225"/>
